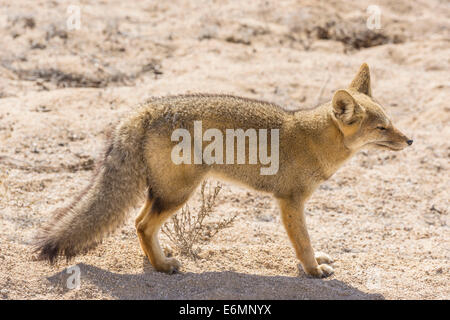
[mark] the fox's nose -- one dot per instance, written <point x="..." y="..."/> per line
<point x="409" y="142"/>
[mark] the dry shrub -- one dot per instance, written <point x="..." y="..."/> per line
<point x="186" y="230"/>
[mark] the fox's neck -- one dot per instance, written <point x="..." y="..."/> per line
<point x="326" y="141"/>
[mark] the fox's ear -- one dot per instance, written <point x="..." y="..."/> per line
<point x="343" y="106"/>
<point x="361" y="82"/>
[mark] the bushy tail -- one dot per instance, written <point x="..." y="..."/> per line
<point x="101" y="208"/>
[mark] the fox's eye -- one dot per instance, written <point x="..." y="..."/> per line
<point x="381" y="128"/>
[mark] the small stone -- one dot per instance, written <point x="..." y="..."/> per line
<point x="264" y="217"/>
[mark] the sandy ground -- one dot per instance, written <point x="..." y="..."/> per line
<point x="383" y="217"/>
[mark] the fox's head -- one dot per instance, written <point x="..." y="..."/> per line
<point x="361" y="119"/>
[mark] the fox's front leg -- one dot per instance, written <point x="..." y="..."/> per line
<point x="292" y="214"/>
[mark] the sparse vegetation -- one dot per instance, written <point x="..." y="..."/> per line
<point x="186" y="230"/>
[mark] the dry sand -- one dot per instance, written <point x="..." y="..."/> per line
<point x="383" y="217"/>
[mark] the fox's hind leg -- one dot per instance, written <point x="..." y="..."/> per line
<point x="170" y="186"/>
<point x="153" y="215"/>
<point x="144" y="211"/>
<point x="157" y="209"/>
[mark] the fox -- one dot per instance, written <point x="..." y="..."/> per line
<point x="313" y="145"/>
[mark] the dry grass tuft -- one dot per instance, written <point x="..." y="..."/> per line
<point x="186" y="230"/>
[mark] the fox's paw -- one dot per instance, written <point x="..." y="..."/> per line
<point x="322" y="258"/>
<point x="169" y="265"/>
<point x="321" y="271"/>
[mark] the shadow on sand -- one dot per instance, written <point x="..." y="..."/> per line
<point x="210" y="285"/>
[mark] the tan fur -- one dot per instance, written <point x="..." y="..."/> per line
<point x="313" y="145"/>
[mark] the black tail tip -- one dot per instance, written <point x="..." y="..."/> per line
<point x="47" y="252"/>
<point x="47" y="249"/>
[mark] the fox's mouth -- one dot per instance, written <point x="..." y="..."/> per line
<point x="386" y="144"/>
